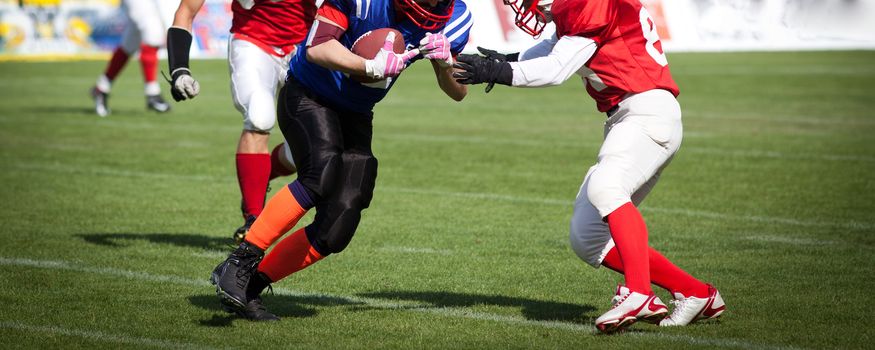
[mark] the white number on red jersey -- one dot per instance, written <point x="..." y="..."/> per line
<point x="648" y="27"/>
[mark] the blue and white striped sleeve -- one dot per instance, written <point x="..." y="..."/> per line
<point x="459" y="27"/>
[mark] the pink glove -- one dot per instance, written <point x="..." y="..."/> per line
<point x="436" y="47"/>
<point x="387" y="63"/>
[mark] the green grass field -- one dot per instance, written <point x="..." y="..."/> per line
<point x="110" y="227"/>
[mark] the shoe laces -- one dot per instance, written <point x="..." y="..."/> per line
<point x="680" y="306"/>
<point x="618" y="299"/>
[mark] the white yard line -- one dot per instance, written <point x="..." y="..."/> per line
<point x="99" y="336"/>
<point x="78" y="169"/>
<point x="371" y="302"/>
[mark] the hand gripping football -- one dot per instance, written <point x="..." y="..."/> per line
<point x="369" y="44"/>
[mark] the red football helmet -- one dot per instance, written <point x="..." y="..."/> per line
<point x="529" y="16"/>
<point x="426" y="19"/>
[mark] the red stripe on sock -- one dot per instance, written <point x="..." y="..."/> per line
<point x="116" y="63"/>
<point x="253" y="171"/>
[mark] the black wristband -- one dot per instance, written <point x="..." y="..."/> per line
<point x="513" y="57"/>
<point x="504" y="75"/>
<point x="178" y="45"/>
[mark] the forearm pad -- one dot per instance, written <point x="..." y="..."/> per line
<point x="178" y="46"/>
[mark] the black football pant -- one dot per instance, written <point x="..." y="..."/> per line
<point x="336" y="167"/>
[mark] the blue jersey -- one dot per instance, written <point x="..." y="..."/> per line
<point x="337" y="88"/>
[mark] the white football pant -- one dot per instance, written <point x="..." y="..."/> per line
<point x="145" y="25"/>
<point x="256" y="77"/>
<point x="640" y="139"/>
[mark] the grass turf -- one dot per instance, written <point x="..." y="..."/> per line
<point x="111" y="226"/>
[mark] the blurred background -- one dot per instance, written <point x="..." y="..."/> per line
<point x="72" y="29"/>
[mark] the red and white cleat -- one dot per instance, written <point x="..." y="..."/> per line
<point x="630" y="307"/>
<point x="691" y="309"/>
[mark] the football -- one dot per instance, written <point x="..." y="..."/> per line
<point x="370" y="43"/>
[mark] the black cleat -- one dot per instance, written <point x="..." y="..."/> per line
<point x="101" y="102"/>
<point x="232" y="276"/>
<point x="255" y="311"/>
<point x="157" y="104"/>
<point x="241" y="232"/>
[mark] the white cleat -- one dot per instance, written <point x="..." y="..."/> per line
<point x="691" y="309"/>
<point x="628" y="308"/>
<point x="101" y="102"/>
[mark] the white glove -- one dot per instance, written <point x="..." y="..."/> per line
<point x="387" y="63"/>
<point x="436" y="47"/>
<point x="184" y="87"/>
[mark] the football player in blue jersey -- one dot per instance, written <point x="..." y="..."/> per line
<point x="325" y="113"/>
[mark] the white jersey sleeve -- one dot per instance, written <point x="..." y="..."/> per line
<point x="566" y="57"/>
<point x="541" y="49"/>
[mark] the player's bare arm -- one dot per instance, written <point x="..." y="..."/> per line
<point x="182" y="85"/>
<point x="326" y="51"/>
<point x="186" y="12"/>
<point x="447" y="83"/>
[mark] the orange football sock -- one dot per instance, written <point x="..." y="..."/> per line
<point x="290" y="255"/>
<point x="279" y="216"/>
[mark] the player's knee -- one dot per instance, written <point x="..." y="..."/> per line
<point x="260" y="111"/>
<point x="588" y="234"/>
<point x="343" y="229"/>
<point x="606" y="193"/>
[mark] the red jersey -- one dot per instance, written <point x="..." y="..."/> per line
<point x="629" y="58"/>
<point x="274" y="24"/>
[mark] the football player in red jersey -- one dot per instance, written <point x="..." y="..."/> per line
<point x="144" y="33"/>
<point x="614" y="46"/>
<point x="264" y="35"/>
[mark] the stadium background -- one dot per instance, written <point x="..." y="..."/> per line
<point x="51" y="29"/>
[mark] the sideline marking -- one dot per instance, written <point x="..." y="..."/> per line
<point x="104" y="337"/>
<point x="394" y="305"/>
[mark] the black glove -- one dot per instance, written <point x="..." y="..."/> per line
<point x="492" y="54"/>
<point x="478" y="69"/>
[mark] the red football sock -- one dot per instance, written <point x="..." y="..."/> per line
<point x="149" y="62"/>
<point x="253" y="170"/>
<point x="277" y="168"/>
<point x="116" y="63"/>
<point x="290" y="255"/>
<point x="630" y="235"/>
<point x="663" y="273"/>
<point x="279" y="216"/>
